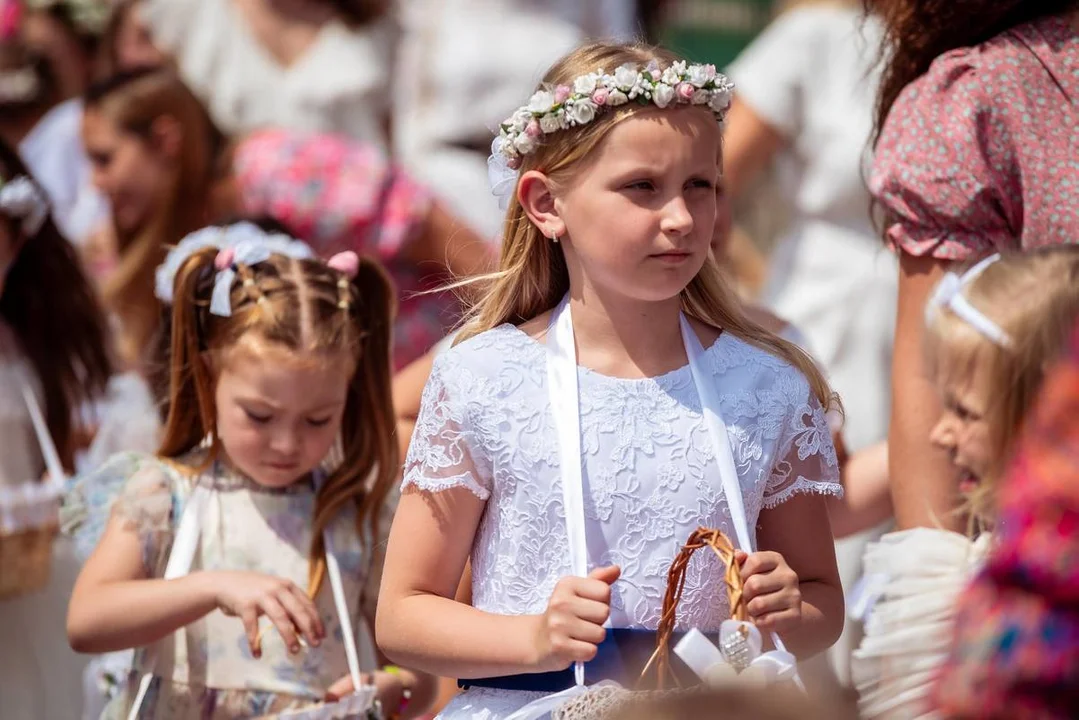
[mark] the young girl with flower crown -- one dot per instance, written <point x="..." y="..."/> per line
<point x="565" y="435"/>
<point x="219" y="554"/>
<point x="993" y="331"/>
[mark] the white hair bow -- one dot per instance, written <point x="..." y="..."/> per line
<point x="243" y="243"/>
<point x="502" y="178"/>
<point x="23" y="200"/>
<point x="949" y="294"/>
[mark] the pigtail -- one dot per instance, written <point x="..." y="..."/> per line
<point x="191" y="416"/>
<point x="370" y="460"/>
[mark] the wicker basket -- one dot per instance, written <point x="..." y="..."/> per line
<point x="658" y="678"/>
<point x="28" y="526"/>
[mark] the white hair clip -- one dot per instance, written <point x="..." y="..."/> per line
<point x="23" y="200"/>
<point x="949" y="294"/>
<point x="242" y="243"/>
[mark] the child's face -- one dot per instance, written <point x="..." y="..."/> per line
<point x="963" y="429"/>
<point x="639" y="219"/>
<point x="278" y="415"/>
<point x="129" y="169"/>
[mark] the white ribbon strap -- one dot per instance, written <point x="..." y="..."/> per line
<point x="565" y="404"/>
<point x="728" y="473"/>
<point x="179" y="564"/>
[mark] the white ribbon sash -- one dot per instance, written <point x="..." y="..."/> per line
<point x="564" y="395"/>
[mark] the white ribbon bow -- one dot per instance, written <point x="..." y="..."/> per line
<point x="501" y="177"/>
<point x="250" y="245"/>
<point x="738" y="656"/>
<point x="23" y="200"/>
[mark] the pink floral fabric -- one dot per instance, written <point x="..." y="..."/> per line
<point x="338" y="194"/>
<point x="982" y="152"/>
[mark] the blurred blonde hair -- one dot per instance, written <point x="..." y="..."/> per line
<point x="532" y="277"/>
<point x="1033" y="297"/>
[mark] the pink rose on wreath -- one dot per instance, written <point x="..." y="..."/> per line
<point x="561" y="93"/>
<point x="685" y="91"/>
<point x="533" y="129"/>
<point x="600" y="96"/>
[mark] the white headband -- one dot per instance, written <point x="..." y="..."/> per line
<point x="241" y="244"/>
<point x="949" y="294"/>
<point x="23" y="200"/>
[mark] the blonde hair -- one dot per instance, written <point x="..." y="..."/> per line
<point x="133" y="101"/>
<point x="307" y="308"/>
<point x="1034" y="298"/>
<point x="532" y="277"/>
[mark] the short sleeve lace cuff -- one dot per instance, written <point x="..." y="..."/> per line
<point x="442" y="453"/>
<point x="807" y="461"/>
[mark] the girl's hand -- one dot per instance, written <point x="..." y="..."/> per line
<point x="247" y="595"/>
<point x="772" y="592"/>
<point x="572" y="627"/>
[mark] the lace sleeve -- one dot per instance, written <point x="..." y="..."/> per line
<point x="805" y="455"/>
<point x="442" y="453"/>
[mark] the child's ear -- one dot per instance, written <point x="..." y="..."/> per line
<point x="167" y="135"/>
<point x="537" y="198"/>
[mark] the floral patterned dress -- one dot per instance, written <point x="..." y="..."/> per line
<point x="206" y="670"/>
<point x="982" y="152"/>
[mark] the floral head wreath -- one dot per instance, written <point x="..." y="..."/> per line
<point x="91" y="17"/>
<point x="243" y="243"/>
<point x="551" y="110"/>
<point x="22" y="200"/>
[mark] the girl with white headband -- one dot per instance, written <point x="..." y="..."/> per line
<point x="606" y="393"/>
<point x="992" y="332"/>
<point x="241" y="558"/>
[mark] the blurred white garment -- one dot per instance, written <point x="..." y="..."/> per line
<point x="39" y="673"/>
<point x="463" y="66"/>
<point x="54" y="153"/>
<point x="340" y="84"/>
<point x="912" y="587"/>
<point x="813" y="75"/>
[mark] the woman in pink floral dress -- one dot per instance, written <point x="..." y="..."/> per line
<point x="978" y="149"/>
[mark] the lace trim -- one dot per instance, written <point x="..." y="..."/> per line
<point x="422" y="482"/>
<point x="800" y="487"/>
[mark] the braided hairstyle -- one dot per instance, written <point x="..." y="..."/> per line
<point x="308" y="308"/>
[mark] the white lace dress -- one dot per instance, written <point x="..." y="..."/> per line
<point x="649" y="473"/>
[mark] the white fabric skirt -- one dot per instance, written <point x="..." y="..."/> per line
<point x="913" y="580"/>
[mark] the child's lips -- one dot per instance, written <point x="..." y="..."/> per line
<point x="968" y="481"/>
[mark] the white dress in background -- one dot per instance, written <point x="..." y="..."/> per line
<point x="649" y="470"/>
<point x="463" y="68"/>
<point x="915" y="577"/>
<point x="812" y="75"/>
<point x="340" y="84"/>
<point x="40" y="675"/>
<point x="54" y="153"/>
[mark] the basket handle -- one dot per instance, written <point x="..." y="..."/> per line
<point x="724" y="550"/>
